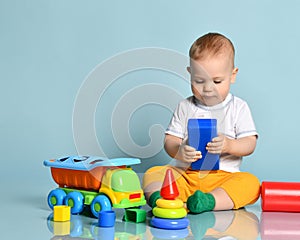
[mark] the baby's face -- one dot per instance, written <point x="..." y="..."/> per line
<point x="211" y="78"/>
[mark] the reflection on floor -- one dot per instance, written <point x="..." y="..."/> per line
<point x="280" y="225"/>
<point x="248" y="223"/>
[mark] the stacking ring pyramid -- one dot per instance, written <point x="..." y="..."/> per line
<point x="169" y="212"/>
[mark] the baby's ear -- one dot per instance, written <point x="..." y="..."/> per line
<point x="188" y="69"/>
<point x="233" y="76"/>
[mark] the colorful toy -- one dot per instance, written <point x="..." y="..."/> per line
<point x="61" y="213"/>
<point x="169" y="212"/>
<point x="201" y="132"/>
<point x="135" y="215"/>
<point x="106" y="219"/>
<point x="280" y="196"/>
<point x="98" y="182"/>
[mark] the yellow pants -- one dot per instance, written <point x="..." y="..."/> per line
<point x="243" y="188"/>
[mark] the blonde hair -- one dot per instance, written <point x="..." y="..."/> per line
<point x="211" y="44"/>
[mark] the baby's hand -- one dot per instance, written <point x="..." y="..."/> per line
<point x="216" y="145"/>
<point x="187" y="153"/>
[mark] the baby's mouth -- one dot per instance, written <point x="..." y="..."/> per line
<point x="208" y="95"/>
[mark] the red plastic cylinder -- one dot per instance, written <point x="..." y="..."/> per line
<point x="280" y="196"/>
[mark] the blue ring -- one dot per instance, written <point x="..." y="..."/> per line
<point x="166" y="223"/>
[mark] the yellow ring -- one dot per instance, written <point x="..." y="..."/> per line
<point x="164" y="203"/>
<point x="169" y="213"/>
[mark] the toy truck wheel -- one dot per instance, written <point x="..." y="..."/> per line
<point x="56" y="197"/>
<point x="100" y="203"/>
<point x="76" y="201"/>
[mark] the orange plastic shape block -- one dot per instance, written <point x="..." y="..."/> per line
<point x="61" y="213"/>
<point x="169" y="188"/>
<point x="88" y="180"/>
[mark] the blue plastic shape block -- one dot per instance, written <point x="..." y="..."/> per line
<point x="106" y="219"/>
<point x="201" y="132"/>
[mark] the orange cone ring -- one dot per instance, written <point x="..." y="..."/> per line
<point x="169" y="213"/>
<point x="164" y="203"/>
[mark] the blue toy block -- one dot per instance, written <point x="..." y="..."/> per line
<point x="106" y="219"/>
<point x="201" y="132"/>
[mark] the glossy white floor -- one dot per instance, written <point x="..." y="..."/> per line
<point x="25" y="215"/>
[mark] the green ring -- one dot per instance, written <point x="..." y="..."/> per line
<point x="169" y="213"/>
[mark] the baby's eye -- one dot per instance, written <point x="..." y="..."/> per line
<point x="217" y="81"/>
<point x="198" y="81"/>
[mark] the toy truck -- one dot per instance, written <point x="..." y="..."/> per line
<point x="97" y="182"/>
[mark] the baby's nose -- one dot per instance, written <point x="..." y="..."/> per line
<point x="208" y="86"/>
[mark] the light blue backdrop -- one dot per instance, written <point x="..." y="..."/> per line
<point x="48" y="49"/>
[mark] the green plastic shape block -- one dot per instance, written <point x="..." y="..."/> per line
<point x="135" y="215"/>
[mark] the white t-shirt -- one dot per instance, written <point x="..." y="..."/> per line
<point x="234" y="120"/>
